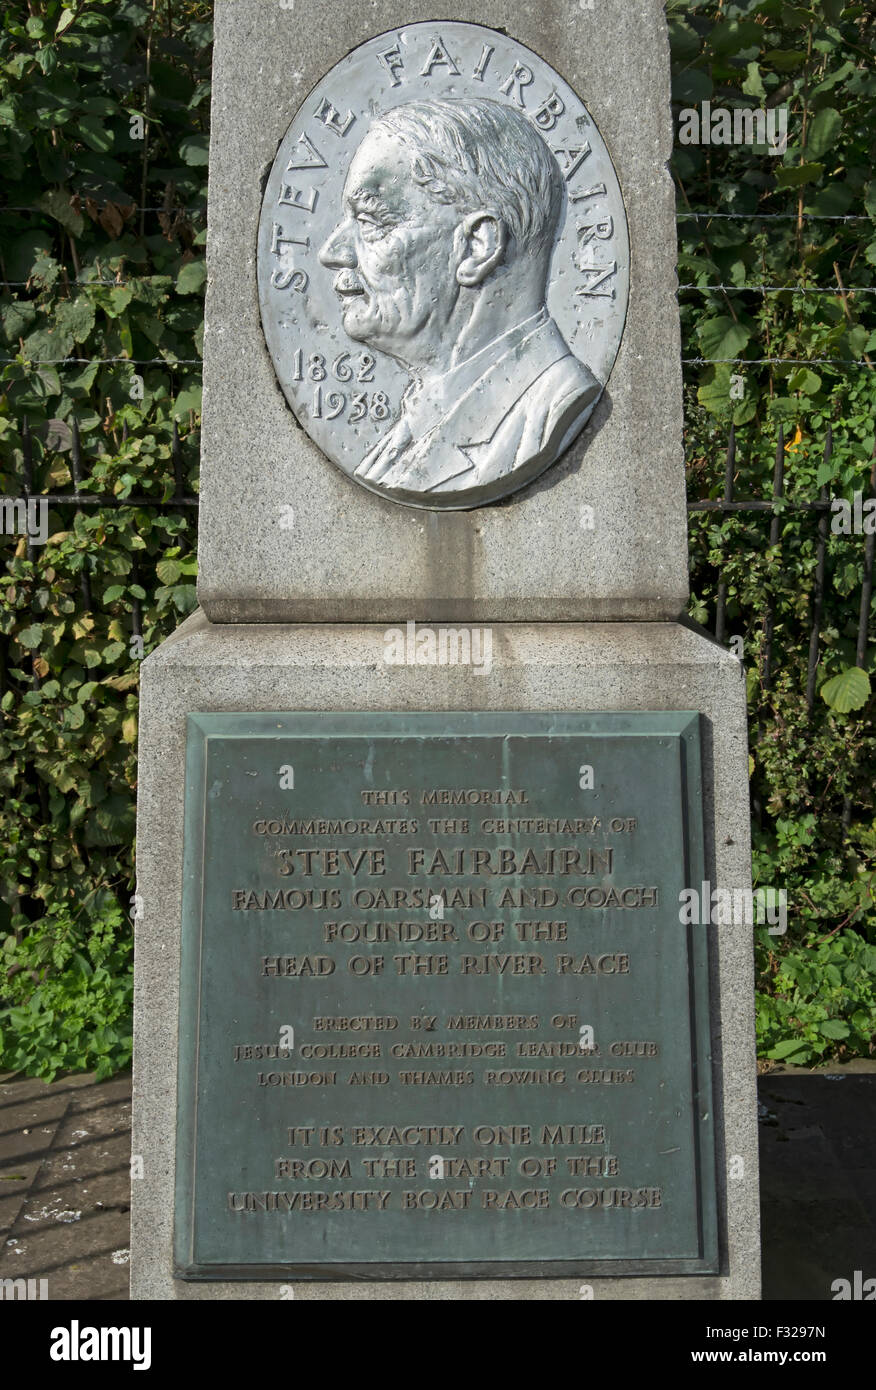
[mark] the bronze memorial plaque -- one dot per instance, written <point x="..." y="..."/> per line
<point x="441" y="1016"/>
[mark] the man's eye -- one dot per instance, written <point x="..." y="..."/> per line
<point x="372" y="228"/>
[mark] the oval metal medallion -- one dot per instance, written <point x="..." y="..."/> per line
<point x="443" y="265"/>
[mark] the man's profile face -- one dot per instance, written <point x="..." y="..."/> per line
<point x="396" y="252"/>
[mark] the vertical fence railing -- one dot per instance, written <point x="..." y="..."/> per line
<point x="76" y="473"/>
<point x="775" y="529"/>
<point x="729" y="475"/>
<point x="818" y="591"/>
<point x="779" y="505"/>
<point x="81" y="500"/>
<point x="864" y="613"/>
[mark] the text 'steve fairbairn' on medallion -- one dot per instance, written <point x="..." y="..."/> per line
<point x="443" y="265"/>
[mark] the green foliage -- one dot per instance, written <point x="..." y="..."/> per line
<point x="69" y="992"/>
<point x="103" y="128"/>
<point x="91" y="274"/>
<point x="103" y="136"/>
<point x="807" y="765"/>
<point x="847" y="691"/>
<point x="816" y="997"/>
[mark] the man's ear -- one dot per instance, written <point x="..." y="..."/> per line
<point x="485" y="241"/>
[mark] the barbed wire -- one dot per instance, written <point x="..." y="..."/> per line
<point x="782" y="216"/>
<point x="135" y="207"/>
<point x="785" y="289"/>
<point x="774" y="361"/>
<point x="84" y="284"/>
<point x="199" y="361"/>
<point x="703" y="289"/>
<point x="127" y="361"/>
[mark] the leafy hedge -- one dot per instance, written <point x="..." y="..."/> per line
<point x="103" y="127"/>
<point x="791" y="227"/>
<point x="103" y="130"/>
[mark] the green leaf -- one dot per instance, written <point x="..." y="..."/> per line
<point x="753" y="84"/>
<point x="191" y="277"/>
<point x="56" y="203"/>
<point x="185" y="597"/>
<point x="194" y="149"/>
<point x="120" y="297"/>
<point x="722" y="337"/>
<point x="784" y="59"/>
<point x="31" y="637"/>
<point x="714" y="391"/>
<point x="806" y="381"/>
<point x="127" y="681"/>
<point x="58" y="436"/>
<point x="790" y="1050"/>
<point x="76" y="317"/>
<point x="834" y="1028"/>
<point x="785" y="407"/>
<point x="832" y="200"/>
<point x="839" y="75"/>
<point x="744" y="410"/>
<point x="822" y="133"/>
<point x="732" y="35"/>
<point x="95" y="133"/>
<point x="848" y="691"/>
<point x="794" y="176"/>
<point x="189" y="399"/>
<point x="795" y="16"/>
<point x="18" y="317"/>
<point x="825" y="473"/>
<point x="857" y="338"/>
<point x="691" y="86"/>
<point x="48" y="344"/>
<point x="168" y="571"/>
<point x="685" y="43"/>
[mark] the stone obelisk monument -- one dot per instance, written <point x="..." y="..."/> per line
<point x="429" y="777"/>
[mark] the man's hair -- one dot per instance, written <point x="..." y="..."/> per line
<point x="475" y="153"/>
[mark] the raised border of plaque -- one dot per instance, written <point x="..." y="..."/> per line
<point x="199" y="1084"/>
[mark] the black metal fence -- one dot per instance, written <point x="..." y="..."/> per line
<point x="80" y="500"/>
<point x="777" y="505"/>
<point x="83" y="499"/>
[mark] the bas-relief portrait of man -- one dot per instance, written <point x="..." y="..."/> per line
<point x="441" y="260"/>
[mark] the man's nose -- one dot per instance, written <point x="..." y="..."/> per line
<point x="338" y="253"/>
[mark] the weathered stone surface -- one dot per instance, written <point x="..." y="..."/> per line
<point x="350" y="555"/>
<point x="631" y="666"/>
<point x="66" y="1176"/>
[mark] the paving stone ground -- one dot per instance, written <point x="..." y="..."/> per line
<point x="65" y="1180"/>
<point x="65" y="1184"/>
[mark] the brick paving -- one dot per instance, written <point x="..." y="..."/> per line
<point x="64" y="1182"/>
